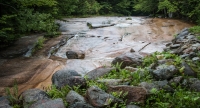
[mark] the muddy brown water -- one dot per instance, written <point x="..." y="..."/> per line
<point x="101" y="45"/>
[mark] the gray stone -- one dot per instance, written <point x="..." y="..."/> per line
<point x="195" y="86"/>
<point x="164" y="72"/>
<point x="156" y="84"/>
<point x="148" y="86"/>
<point x="5" y="106"/>
<point x="33" y="95"/>
<point x="135" y="94"/>
<point x="98" y="72"/>
<point x="188" y="70"/>
<point x="75" y="54"/>
<point x="73" y="97"/>
<point x="4" y="102"/>
<point x="98" y="97"/>
<point x="67" y="77"/>
<point x="132" y="106"/>
<point x="182" y="34"/>
<point x="163" y="85"/>
<point x="57" y="103"/>
<point x="129" y="59"/>
<point x="80" y="105"/>
<point x="176" y="81"/>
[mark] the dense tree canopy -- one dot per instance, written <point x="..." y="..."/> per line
<point x="19" y="17"/>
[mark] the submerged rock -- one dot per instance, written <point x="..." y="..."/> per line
<point x="67" y="77"/>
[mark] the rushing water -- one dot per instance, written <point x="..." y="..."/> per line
<point x="116" y="36"/>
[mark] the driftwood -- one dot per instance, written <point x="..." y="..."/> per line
<point x="144" y="46"/>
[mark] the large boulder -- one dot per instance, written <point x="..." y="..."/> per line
<point x="135" y="94"/>
<point x="75" y="54"/>
<point x="57" y="103"/>
<point x="128" y="59"/>
<point x="164" y="72"/>
<point x="67" y="77"/>
<point x="33" y="95"/>
<point x="99" y="98"/>
<point x="98" y="72"/>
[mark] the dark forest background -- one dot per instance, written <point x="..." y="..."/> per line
<point x="20" y="17"/>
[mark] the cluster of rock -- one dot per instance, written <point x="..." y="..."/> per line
<point x="186" y="45"/>
<point x="165" y="76"/>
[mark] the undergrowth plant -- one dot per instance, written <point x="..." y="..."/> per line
<point x="13" y="96"/>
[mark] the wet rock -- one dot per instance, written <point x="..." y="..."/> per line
<point x="98" y="97"/>
<point x="73" y="97"/>
<point x="75" y="54"/>
<point x="80" y="105"/>
<point x="67" y="77"/>
<point x="188" y="70"/>
<point x="135" y="94"/>
<point x="4" y="102"/>
<point x="33" y="95"/>
<point x="129" y="59"/>
<point x="132" y="106"/>
<point x="20" y="47"/>
<point x="111" y="81"/>
<point x="98" y="72"/>
<point x="132" y="50"/>
<point x="176" y="81"/>
<point x="57" y="103"/>
<point x="164" y="72"/>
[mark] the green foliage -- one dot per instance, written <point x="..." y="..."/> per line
<point x="181" y="98"/>
<point x="40" y="43"/>
<point x="166" y="4"/>
<point x="195" y="29"/>
<point x="13" y="96"/>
